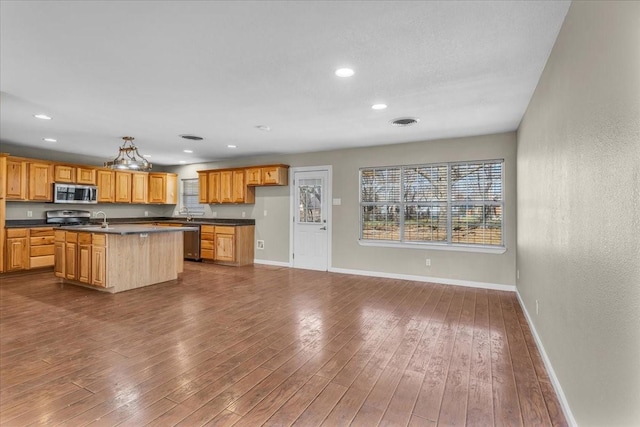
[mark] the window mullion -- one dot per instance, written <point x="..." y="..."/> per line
<point x="401" y="206"/>
<point x="449" y="206"/>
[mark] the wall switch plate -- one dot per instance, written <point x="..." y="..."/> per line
<point x="428" y="262"/>
<point x="265" y="212"/>
<point x="337" y="202"/>
<point x="29" y="214"/>
<point x="260" y="244"/>
<point x="214" y="214"/>
<point x="244" y="214"/>
<point x="146" y="213"/>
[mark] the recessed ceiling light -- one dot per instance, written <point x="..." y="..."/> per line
<point x="264" y="128"/>
<point x="232" y="146"/>
<point x="345" y="72"/>
<point x="42" y="116"/>
<point x="146" y="155"/>
<point x="188" y="151"/>
<point x="49" y="139"/>
<point x="182" y="162"/>
<point x="378" y="106"/>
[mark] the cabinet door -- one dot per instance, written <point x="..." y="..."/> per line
<point x="139" y="187"/>
<point x="16" y="180"/>
<point x="275" y="175"/>
<point x="59" y="261"/>
<point x="157" y="188"/>
<point x="40" y="175"/>
<point x="86" y="176"/>
<point x="63" y="173"/>
<point x="226" y="186"/>
<point x="254" y="176"/>
<point x="225" y="247"/>
<point x="17" y="254"/>
<point x="84" y="263"/>
<point x="239" y="187"/>
<point x="70" y="255"/>
<point x="98" y="265"/>
<point x="123" y="187"/>
<point x="106" y="187"/>
<point x="213" y="185"/>
<point x="203" y="193"/>
<point x="171" y="189"/>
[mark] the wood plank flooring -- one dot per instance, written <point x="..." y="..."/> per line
<point x="270" y="346"/>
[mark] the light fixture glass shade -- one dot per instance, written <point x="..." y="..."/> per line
<point x="129" y="158"/>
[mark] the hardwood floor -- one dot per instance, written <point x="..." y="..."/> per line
<point x="260" y="345"/>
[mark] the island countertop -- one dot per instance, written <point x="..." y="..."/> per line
<point x="124" y="229"/>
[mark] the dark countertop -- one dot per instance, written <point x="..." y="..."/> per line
<point x="30" y="223"/>
<point x="124" y="229"/>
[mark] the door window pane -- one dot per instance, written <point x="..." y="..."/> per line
<point x="310" y="197"/>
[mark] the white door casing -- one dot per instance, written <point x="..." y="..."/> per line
<point x="311" y="218"/>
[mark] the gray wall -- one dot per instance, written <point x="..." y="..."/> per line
<point x="18" y="210"/>
<point x="579" y="211"/>
<point x="346" y="252"/>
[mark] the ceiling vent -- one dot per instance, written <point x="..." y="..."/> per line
<point x="192" y="137"/>
<point x="405" y="121"/>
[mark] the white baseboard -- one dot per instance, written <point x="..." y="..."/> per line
<point x="274" y="263"/>
<point x="454" y="282"/>
<point x="547" y="364"/>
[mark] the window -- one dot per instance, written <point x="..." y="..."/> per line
<point x="453" y="204"/>
<point x="190" y="196"/>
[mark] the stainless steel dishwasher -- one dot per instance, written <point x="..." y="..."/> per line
<point x="192" y="243"/>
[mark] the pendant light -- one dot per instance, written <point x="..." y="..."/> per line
<point x="129" y="158"/>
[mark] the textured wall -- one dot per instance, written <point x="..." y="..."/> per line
<point x="578" y="211"/>
<point x="346" y="252"/>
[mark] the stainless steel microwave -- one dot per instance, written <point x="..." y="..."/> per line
<point x="73" y="193"/>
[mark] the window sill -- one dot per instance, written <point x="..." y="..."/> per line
<point x="497" y="250"/>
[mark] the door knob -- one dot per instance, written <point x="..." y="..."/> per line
<point x="323" y="228"/>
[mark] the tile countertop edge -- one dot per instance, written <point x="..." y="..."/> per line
<point x="32" y="223"/>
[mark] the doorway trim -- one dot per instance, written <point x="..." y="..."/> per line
<point x="293" y="205"/>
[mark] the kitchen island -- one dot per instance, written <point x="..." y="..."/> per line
<point x="119" y="257"/>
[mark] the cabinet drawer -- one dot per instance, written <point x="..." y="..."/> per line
<point x="206" y="253"/>
<point x="38" y="241"/>
<point x="17" y="232"/>
<point x="225" y="230"/>
<point x="59" y="235"/>
<point x="41" y="261"/>
<point x="72" y="237"/>
<point x="41" y="232"/>
<point x="41" y="250"/>
<point x="99" y="239"/>
<point x="84" y="238"/>
<point x="206" y="244"/>
<point x="206" y="236"/>
<point x="206" y="229"/>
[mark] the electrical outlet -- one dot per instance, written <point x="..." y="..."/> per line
<point x="260" y="244"/>
<point x="265" y="212"/>
<point x="428" y="262"/>
<point x="537" y="307"/>
<point x="244" y="214"/>
<point x="214" y="214"/>
<point x="146" y="213"/>
<point x="29" y="214"/>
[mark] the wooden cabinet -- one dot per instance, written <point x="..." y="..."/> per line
<point x="163" y="188"/>
<point x="59" y="253"/>
<point x="226" y="186"/>
<point x="254" y="176"/>
<point x="123" y="187"/>
<point x="106" y="186"/>
<point x="213" y="187"/>
<point x="203" y="194"/>
<point x="40" y="180"/>
<point x="98" y="265"/>
<point x="17" y="249"/>
<point x="84" y="258"/>
<point x="242" y="193"/>
<point x="62" y="173"/>
<point x="70" y="255"/>
<point x="275" y="175"/>
<point x="225" y="244"/>
<point x="41" y="247"/>
<point x="16" y="187"/>
<point x="85" y="176"/>
<point x="139" y="187"/>
<point x="207" y="250"/>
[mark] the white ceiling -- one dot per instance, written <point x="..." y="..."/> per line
<point x="158" y="69"/>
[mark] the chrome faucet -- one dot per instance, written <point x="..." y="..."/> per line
<point x="186" y="209"/>
<point x="104" y="224"/>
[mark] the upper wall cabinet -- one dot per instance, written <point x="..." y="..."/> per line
<point x="63" y="173"/>
<point x="106" y="180"/>
<point x="139" y="187"/>
<point x="40" y="180"/>
<point x="28" y="180"/>
<point x="123" y="187"/>
<point x="16" y="179"/>
<point x="238" y="185"/>
<point x="86" y="176"/>
<point x="275" y="175"/>
<point x="163" y="188"/>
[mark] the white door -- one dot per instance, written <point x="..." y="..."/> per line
<point x="310" y="220"/>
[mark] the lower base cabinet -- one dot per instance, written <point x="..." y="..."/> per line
<point x="229" y="245"/>
<point x="81" y="257"/>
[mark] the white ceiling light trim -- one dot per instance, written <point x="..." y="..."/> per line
<point x="42" y="117"/>
<point x="378" y="106"/>
<point x="345" y="72"/>
<point x="49" y="139"/>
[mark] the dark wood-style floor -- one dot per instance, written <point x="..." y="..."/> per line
<point x="268" y="346"/>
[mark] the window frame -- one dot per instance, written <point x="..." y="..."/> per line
<point x="449" y="203"/>
<point x="200" y="208"/>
